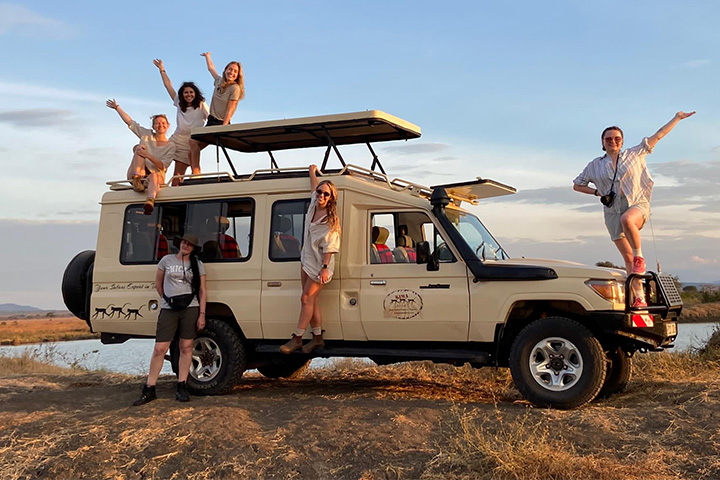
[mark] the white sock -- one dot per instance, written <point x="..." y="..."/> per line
<point x="316" y="330"/>
<point x="637" y="252"/>
<point x="299" y="332"/>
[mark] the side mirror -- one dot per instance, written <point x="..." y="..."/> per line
<point x="422" y="250"/>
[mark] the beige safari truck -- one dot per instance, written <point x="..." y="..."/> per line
<point x="418" y="277"/>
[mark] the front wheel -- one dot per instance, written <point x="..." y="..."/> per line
<point x="556" y="362"/>
<point x="218" y="359"/>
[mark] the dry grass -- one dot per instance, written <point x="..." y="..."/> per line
<point x="27" y="362"/>
<point x="701" y="312"/>
<point x="20" y="332"/>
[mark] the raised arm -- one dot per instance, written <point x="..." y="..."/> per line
<point x="165" y="79"/>
<point x="313" y="177"/>
<point x="665" y="129"/>
<point x="115" y="106"/>
<point x="210" y="65"/>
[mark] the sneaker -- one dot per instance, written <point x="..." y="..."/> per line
<point x="639" y="302"/>
<point x="137" y="184"/>
<point x="148" y="395"/>
<point x="295" y="343"/>
<point x="181" y="394"/>
<point x="149" y="206"/>
<point x="638" y="265"/>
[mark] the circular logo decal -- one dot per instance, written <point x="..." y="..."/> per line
<point x="403" y="304"/>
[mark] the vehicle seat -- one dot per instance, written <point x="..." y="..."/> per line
<point x="380" y="253"/>
<point x="285" y="245"/>
<point x="229" y="248"/>
<point x="404" y="253"/>
<point x="211" y="251"/>
<point x="161" y="246"/>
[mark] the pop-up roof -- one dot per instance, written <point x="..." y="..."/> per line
<point x="321" y="131"/>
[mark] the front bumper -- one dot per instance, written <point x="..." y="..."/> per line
<point x="651" y="332"/>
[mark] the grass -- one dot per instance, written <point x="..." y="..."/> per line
<point x="20" y="332"/>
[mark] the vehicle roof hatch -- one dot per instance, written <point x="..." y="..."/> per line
<point x="475" y="190"/>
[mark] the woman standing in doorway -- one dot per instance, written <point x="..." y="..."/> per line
<point x="229" y="90"/>
<point x="192" y="111"/>
<point x="180" y="282"/>
<point x="321" y="239"/>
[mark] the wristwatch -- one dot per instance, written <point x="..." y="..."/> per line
<point x="324" y="265"/>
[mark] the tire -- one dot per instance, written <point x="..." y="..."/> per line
<point x="218" y="359"/>
<point x="77" y="284"/>
<point x="619" y="372"/>
<point x="284" y="367"/>
<point x="556" y="362"/>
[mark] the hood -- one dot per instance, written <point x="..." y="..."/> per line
<point x="565" y="268"/>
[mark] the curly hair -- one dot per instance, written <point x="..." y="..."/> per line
<point x="331" y="208"/>
<point x="196" y="101"/>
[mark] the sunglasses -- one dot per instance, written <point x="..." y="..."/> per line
<point x="613" y="139"/>
<point x="322" y="193"/>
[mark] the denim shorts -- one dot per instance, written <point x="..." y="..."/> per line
<point x="614" y="215"/>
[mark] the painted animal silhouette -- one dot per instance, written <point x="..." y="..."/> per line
<point x="134" y="311"/>
<point x="103" y="311"/>
<point x="118" y="310"/>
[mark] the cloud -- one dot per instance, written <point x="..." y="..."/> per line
<point x="697" y="63"/>
<point x="445" y="159"/>
<point x="36" y="117"/>
<point x="704" y="261"/>
<point x="417" y="148"/>
<point x="21" y="20"/>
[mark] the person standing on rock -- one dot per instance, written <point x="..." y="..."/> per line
<point x="623" y="182"/>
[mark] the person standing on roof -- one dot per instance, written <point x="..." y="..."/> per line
<point x="152" y="156"/>
<point x="192" y="111"/>
<point x="229" y="90"/>
<point x="622" y="181"/>
<point x="321" y="239"/>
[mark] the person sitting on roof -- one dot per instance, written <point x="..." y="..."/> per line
<point x="152" y="156"/>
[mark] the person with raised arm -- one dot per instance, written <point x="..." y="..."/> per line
<point x="623" y="182"/>
<point x="229" y="90"/>
<point x="321" y="240"/>
<point x="152" y="156"/>
<point x="192" y="111"/>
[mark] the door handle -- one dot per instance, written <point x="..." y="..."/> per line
<point x="274" y="284"/>
<point x="378" y="282"/>
<point x="436" y="285"/>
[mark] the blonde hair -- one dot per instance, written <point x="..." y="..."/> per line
<point x="155" y="117"/>
<point x="331" y="208"/>
<point x="240" y="80"/>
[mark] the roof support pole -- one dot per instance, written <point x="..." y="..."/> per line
<point x="273" y="163"/>
<point x="331" y="144"/>
<point x="219" y="144"/>
<point x="376" y="160"/>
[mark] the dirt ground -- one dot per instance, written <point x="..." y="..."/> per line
<point x="357" y="421"/>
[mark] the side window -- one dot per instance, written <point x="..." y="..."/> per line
<point x="433" y="237"/>
<point x="142" y="239"/>
<point x="395" y="235"/>
<point x="286" y="229"/>
<point x="223" y="229"/>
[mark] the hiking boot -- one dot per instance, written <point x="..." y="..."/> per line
<point x="149" y="206"/>
<point x="638" y="265"/>
<point x="639" y="302"/>
<point x="181" y="394"/>
<point x="148" y="395"/>
<point x="316" y="342"/>
<point x="295" y="343"/>
<point x="137" y="183"/>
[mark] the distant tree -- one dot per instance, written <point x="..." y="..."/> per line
<point x="690" y="289"/>
<point x="50" y="314"/>
<point x="607" y="264"/>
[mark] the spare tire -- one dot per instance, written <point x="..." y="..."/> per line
<point x="77" y="284"/>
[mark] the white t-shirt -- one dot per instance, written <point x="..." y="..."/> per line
<point x="190" y="118"/>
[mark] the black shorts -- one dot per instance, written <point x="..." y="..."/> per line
<point x="170" y="320"/>
<point x="212" y="121"/>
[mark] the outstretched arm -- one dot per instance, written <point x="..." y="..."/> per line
<point x="665" y="129"/>
<point x="165" y="79"/>
<point x="313" y="176"/>
<point x="115" y="106"/>
<point x="210" y="65"/>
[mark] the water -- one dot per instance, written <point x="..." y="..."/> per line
<point x="133" y="356"/>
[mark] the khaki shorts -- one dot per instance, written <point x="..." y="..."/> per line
<point x="169" y="321"/>
<point x="613" y="218"/>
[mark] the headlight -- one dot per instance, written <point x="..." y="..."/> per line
<point x="610" y="290"/>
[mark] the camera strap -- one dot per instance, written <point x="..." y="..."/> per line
<point x="617" y="166"/>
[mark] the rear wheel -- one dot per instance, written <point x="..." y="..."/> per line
<point x="285" y="367"/>
<point x="619" y="372"/>
<point x="218" y="359"/>
<point x="556" y="362"/>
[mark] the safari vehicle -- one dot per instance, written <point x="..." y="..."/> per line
<point x="417" y="277"/>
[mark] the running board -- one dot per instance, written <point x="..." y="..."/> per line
<point x="401" y="354"/>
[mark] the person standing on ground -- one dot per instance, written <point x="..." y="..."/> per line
<point x="229" y="90"/>
<point x="151" y="157"/>
<point x="321" y="239"/>
<point x="622" y="181"/>
<point x="192" y="111"/>
<point x="180" y="282"/>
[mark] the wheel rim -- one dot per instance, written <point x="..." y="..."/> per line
<point x="556" y="364"/>
<point x="206" y="359"/>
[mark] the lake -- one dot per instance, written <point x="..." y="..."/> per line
<point x="133" y="356"/>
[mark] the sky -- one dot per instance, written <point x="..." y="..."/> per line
<point x="518" y="92"/>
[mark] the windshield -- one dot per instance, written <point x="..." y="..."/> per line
<point x="477" y="236"/>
